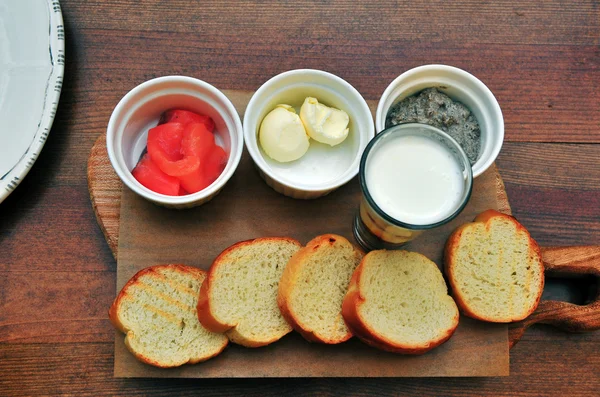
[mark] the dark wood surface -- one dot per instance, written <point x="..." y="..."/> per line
<point x="542" y="61"/>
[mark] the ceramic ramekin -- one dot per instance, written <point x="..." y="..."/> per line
<point x="460" y="86"/>
<point x="140" y="110"/>
<point x="323" y="168"/>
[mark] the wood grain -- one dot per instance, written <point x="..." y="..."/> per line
<point x="542" y="23"/>
<point x="105" y="193"/>
<point x="540" y="115"/>
<point x="545" y="70"/>
<point x="86" y="370"/>
<point x="566" y="262"/>
<point x="541" y="60"/>
<point x="558" y="188"/>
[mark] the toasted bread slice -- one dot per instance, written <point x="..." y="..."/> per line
<point x="495" y="268"/>
<point x="239" y="296"/>
<point x="313" y="286"/>
<point x="398" y="301"/>
<point x="156" y="310"/>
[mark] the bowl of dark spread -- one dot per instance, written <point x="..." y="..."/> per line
<point x="452" y="100"/>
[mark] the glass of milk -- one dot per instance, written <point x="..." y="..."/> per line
<point x="413" y="177"/>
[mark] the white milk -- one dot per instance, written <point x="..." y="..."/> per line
<point x="414" y="179"/>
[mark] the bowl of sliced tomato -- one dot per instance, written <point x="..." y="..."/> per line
<point x="175" y="140"/>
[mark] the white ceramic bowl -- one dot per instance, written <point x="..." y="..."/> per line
<point x="140" y="110"/>
<point x="323" y="168"/>
<point x="460" y="86"/>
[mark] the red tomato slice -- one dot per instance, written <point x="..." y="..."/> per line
<point x="182" y="192"/>
<point x="166" y="138"/>
<point x="215" y="163"/>
<point x="148" y="174"/>
<point x="197" y="141"/>
<point x="195" y="181"/>
<point x="169" y="161"/>
<point x="181" y="167"/>
<point x="185" y="117"/>
<point x="210" y="169"/>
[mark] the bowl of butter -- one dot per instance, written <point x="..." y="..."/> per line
<point x="306" y="130"/>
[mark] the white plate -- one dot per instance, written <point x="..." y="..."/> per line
<point x="32" y="59"/>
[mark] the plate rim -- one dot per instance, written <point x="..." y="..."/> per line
<point x="10" y="180"/>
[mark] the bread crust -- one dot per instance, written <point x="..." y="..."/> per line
<point x="449" y="263"/>
<point x="206" y="316"/>
<point x="361" y="329"/>
<point x="114" y="318"/>
<point x="289" y="279"/>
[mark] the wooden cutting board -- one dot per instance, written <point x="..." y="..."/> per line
<point x="106" y="194"/>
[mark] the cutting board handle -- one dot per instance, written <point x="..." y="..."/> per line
<point x="565" y="262"/>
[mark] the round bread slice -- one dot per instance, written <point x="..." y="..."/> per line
<point x="495" y="268"/>
<point x="313" y="286"/>
<point x="398" y="301"/>
<point x="239" y="296"/>
<point x="156" y="310"/>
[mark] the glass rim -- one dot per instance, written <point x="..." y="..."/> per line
<point x="403" y="127"/>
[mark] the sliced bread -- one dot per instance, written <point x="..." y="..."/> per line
<point x="156" y="310"/>
<point x="313" y="286"/>
<point x="398" y="301"/>
<point x="239" y="296"/>
<point x="494" y="268"/>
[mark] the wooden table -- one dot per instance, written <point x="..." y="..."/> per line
<point x="542" y="61"/>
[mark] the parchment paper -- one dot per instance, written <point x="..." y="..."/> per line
<point x="247" y="208"/>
